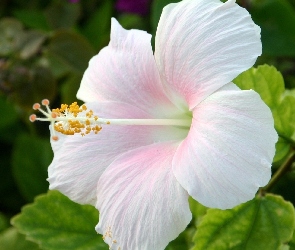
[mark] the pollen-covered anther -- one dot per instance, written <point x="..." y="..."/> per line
<point x="89" y="114"/>
<point x="96" y="129"/>
<point x="68" y="119"/>
<point x="73" y="119"/>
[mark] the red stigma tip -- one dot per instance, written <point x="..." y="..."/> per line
<point x="33" y="118"/>
<point x="45" y="102"/>
<point x="53" y="115"/>
<point x="36" y="106"/>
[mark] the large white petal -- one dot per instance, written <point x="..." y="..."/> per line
<point x="202" y="45"/>
<point x="125" y="71"/>
<point x="228" y="153"/>
<point x="79" y="161"/>
<point x="141" y="204"/>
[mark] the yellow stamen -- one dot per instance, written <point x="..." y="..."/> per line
<point x="68" y="119"/>
<point x="74" y="119"/>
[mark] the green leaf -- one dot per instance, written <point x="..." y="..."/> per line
<point x="72" y="49"/>
<point x="55" y="222"/>
<point x="11" y="35"/>
<point x="292" y="242"/>
<point x="61" y="14"/>
<point x="198" y="210"/>
<point x="32" y="43"/>
<point x="284" y="247"/>
<point x="31" y="157"/>
<point x="70" y="87"/>
<point x="282" y="149"/>
<point x="10" y="239"/>
<point x="100" y="22"/>
<point x="34" y="19"/>
<point x="262" y="223"/>
<point x="132" y="21"/>
<point x="179" y="243"/>
<point x="290" y="92"/>
<point x="3" y="222"/>
<point x="8" y="113"/>
<point x="276" y="19"/>
<point x="31" y="85"/>
<point x="284" y="116"/>
<point x="58" y="67"/>
<point x="8" y="134"/>
<point x="265" y="80"/>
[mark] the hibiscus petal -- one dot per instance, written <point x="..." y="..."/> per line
<point x="228" y="153"/>
<point x="125" y="71"/>
<point x="141" y="204"/>
<point x="202" y="45"/>
<point x="79" y="161"/>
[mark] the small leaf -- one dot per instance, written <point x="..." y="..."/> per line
<point x="72" y="49"/>
<point x="70" y="87"/>
<point x="10" y="239"/>
<point x="292" y="242"/>
<point x="11" y="35"/>
<point x="3" y="222"/>
<point x="30" y="85"/>
<point x="284" y="247"/>
<point x="31" y="157"/>
<point x="100" y="22"/>
<point x="55" y="222"/>
<point x="282" y="149"/>
<point x="8" y="135"/>
<point x="32" y="43"/>
<point x="262" y="223"/>
<point x="284" y="116"/>
<point x="179" y="243"/>
<point x="58" y="67"/>
<point x="8" y="113"/>
<point x="34" y="19"/>
<point x="276" y="19"/>
<point x="198" y="210"/>
<point x="265" y="80"/>
<point x="132" y="21"/>
<point x="61" y="14"/>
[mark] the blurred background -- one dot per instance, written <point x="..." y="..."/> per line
<point x="45" y="46"/>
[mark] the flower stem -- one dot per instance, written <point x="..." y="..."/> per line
<point x="284" y="168"/>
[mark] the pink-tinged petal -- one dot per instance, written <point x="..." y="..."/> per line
<point x="202" y="45"/>
<point x="125" y="71"/>
<point x="79" y="161"/>
<point x="228" y="153"/>
<point x="141" y="204"/>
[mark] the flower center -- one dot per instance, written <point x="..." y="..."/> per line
<point x="74" y="119"/>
